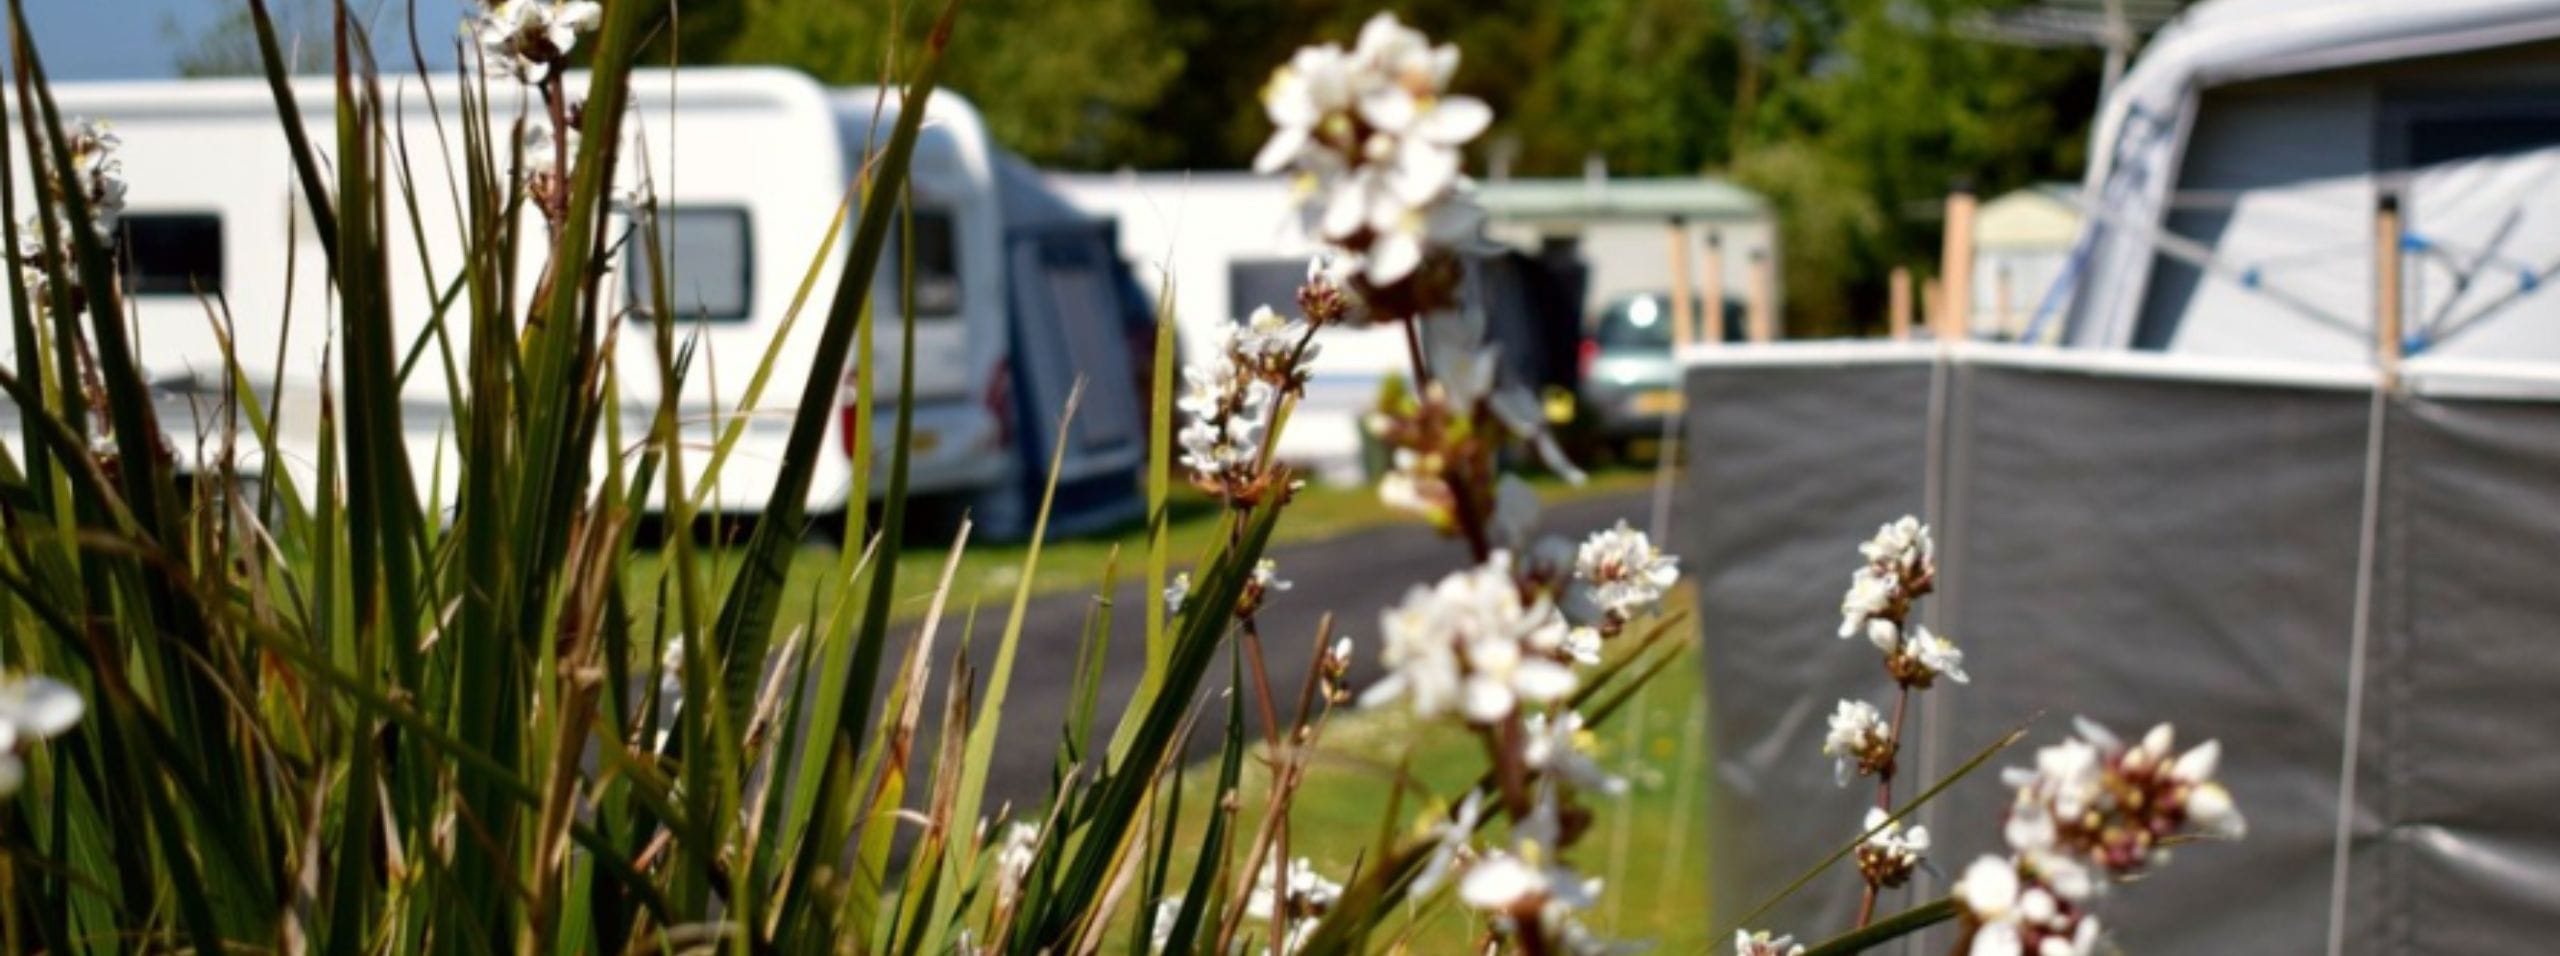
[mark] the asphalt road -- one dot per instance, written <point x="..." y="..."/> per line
<point x="1356" y="576"/>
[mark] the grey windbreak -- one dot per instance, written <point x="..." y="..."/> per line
<point x="2355" y="593"/>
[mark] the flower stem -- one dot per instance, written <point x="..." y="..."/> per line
<point x="1884" y="792"/>
<point x="1889" y="929"/>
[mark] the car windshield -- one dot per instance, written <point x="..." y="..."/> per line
<point x="1639" y="322"/>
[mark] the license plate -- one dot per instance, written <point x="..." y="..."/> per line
<point x="1657" y="402"/>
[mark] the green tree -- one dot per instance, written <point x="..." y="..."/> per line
<point x="1060" y="82"/>
<point x="1857" y="146"/>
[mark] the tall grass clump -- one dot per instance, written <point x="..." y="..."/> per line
<point x="253" y="707"/>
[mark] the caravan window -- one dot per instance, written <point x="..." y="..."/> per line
<point x="173" y="253"/>
<point x="711" y="255"/>
<point x="937" y="262"/>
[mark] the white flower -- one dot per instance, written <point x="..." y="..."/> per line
<point x="2016" y="917"/>
<point x="1374" y="138"/>
<point x="1937" y="654"/>
<point x="1989" y="891"/>
<point x="530" y="35"/>
<point x="1624" y="571"/>
<point x="1176" y="592"/>
<point x="1583" y="645"/>
<point x="1471" y="644"/>
<point x="1882" y="633"/>
<point x="1014" y="855"/>
<point x="1858" y="739"/>
<point x="1266" y="575"/>
<point x="1888" y="856"/>
<point x="1405" y="234"/>
<point x="1558" y="748"/>
<point x="1503" y="882"/>
<point x="1227" y="410"/>
<point x="2093" y="809"/>
<point x="1315" y="86"/>
<point x="1500" y="882"/>
<point x="1449" y="844"/>
<point x="1268" y="343"/>
<point x="1903" y="542"/>
<point x="32" y="707"/>
<point x="1307" y="894"/>
<point x="93" y="145"/>
<point x="1747" y="943"/>
<point x="1503" y="675"/>
<point x="1870" y="594"/>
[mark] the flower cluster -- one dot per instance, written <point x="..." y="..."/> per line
<point x="99" y="173"/>
<point x="1374" y="136"/>
<point x="1901" y="567"/>
<point x="1014" y="856"/>
<point x="2090" y="811"/>
<point x="1859" y="741"/>
<point x="32" y="707"/>
<point x="1494" y="646"/>
<point x="1529" y="885"/>
<point x="1230" y="399"/>
<point x="1294" y="905"/>
<point x="532" y="38"/>
<point x="1473" y="645"/>
<point x="1621" y="575"/>
<point x="1889" y="853"/>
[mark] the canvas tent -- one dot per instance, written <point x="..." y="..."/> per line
<point x="2236" y="171"/>
<point x="1077" y="316"/>
<point x="2215" y="510"/>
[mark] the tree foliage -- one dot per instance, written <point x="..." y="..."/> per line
<point x="1854" y="117"/>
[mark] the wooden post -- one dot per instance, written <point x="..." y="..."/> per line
<point x="1682" y="317"/>
<point x="2386" y="286"/>
<point x="1933" y="307"/>
<point x="1897" y="315"/>
<point x="1955" y="269"/>
<point x="1711" y="290"/>
<point x="1763" y="317"/>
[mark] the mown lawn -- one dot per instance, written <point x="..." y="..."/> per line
<point x="989" y="571"/>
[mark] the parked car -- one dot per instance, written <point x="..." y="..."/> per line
<point x="1630" y="379"/>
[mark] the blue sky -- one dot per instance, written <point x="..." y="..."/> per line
<point x="133" y="39"/>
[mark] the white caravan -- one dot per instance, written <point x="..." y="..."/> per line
<point x="749" y="166"/>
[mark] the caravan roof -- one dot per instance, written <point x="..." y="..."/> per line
<point x="2234" y="174"/>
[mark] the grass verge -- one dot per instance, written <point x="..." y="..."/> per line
<point x="991" y="572"/>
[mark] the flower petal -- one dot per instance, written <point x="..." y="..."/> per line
<point x="40" y="707"/>
<point x="1277" y="152"/>
<point x="1455" y="120"/>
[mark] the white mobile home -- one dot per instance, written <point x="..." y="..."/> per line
<point x="749" y="167"/>
<point x="1225" y="243"/>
